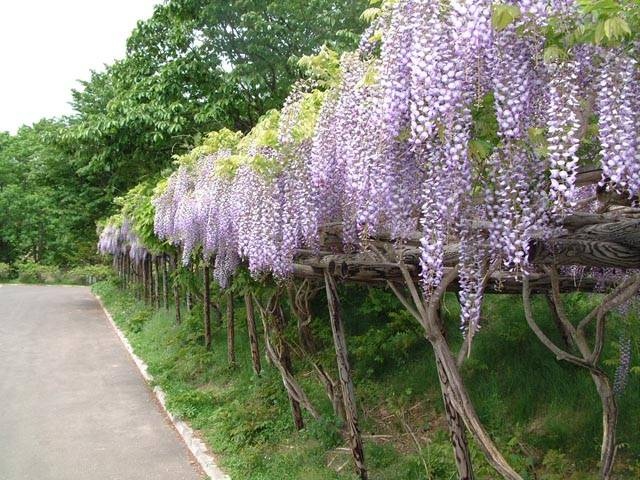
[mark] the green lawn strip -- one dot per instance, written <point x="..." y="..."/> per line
<point x="544" y="415"/>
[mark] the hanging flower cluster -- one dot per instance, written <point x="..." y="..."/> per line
<point x="118" y="237"/>
<point x="618" y="106"/>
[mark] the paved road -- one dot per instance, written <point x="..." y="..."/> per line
<point x="72" y="404"/>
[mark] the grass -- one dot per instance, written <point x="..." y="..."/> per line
<point x="544" y="415"/>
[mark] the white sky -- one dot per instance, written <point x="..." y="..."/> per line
<point x="47" y="45"/>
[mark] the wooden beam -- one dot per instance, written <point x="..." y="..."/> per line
<point x="589" y="253"/>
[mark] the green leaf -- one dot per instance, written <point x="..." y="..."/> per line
<point x="504" y="15"/>
<point x="553" y="53"/>
<point x="616" y="28"/>
<point x="599" y="33"/>
<point x="370" y="14"/>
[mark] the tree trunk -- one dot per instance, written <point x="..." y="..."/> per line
<point x="346" y="381"/>
<point x="206" y="305"/>
<point x="231" y="333"/>
<point x="299" y="302"/>
<point x="253" y="334"/>
<point x="452" y="386"/>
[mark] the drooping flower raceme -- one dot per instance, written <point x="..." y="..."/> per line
<point x="618" y="106"/>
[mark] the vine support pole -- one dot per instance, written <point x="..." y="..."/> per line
<point x="150" y="279"/>
<point x="156" y="282"/>
<point x="299" y="298"/>
<point x="176" y="288"/>
<point x="127" y="271"/>
<point x="188" y="296"/>
<point x="253" y="333"/>
<point x="147" y="279"/>
<point x="143" y="272"/>
<point x="165" y="290"/>
<point x="231" y="331"/>
<point x="206" y="304"/>
<point x="346" y="380"/>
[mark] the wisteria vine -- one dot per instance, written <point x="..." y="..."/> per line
<point x="385" y="147"/>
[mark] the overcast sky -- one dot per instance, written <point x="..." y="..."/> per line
<point x="47" y="45"/>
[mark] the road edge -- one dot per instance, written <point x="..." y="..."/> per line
<point x="195" y="445"/>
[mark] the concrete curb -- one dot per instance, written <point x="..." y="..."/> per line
<point x="195" y="445"/>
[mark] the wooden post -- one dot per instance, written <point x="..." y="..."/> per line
<point x="188" y="300"/>
<point x="123" y="272"/>
<point x="165" y="290"/>
<point x="142" y="268"/>
<point x="253" y="333"/>
<point x="149" y="263"/>
<point x="231" y="334"/>
<point x="206" y="304"/>
<point x="156" y="282"/>
<point x="301" y="309"/>
<point x="143" y="271"/>
<point x="127" y="271"/>
<point x="346" y="381"/>
<point x="281" y="358"/>
<point x="176" y="288"/>
<point x="279" y="355"/>
<point x="117" y="260"/>
<point x="146" y="267"/>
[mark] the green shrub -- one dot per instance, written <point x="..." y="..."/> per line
<point x="5" y="271"/>
<point x="138" y="319"/>
<point x="89" y="274"/>
<point x="31" y="272"/>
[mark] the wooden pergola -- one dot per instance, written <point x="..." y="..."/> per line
<point x="609" y="238"/>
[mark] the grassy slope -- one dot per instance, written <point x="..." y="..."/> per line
<point x="544" y="415"/>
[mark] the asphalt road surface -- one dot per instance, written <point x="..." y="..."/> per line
<point x="72" y="404"/>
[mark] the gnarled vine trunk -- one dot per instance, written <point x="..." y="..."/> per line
<point x="454" y="392"/>
<point x="588" y="357"/>
<point x="253" y="334"/>
<point x="346" y="380"/>
<point x="279" y="353"/>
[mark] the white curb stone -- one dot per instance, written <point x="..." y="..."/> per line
<point x="196" y="446"/>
